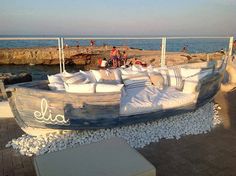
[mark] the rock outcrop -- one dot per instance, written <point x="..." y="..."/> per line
<point x="9" y="78"/>
<point x="89" y="55"/>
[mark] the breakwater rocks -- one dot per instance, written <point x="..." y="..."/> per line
<point x="9" y="78"/>
<point x="46" y="55"/>
<point x="88" y="55"/>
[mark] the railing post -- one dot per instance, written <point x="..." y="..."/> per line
<point x="231" y="41"/>
<point x="62" y="54"/>
<point x="163" y="52"/>
<point x="59" y="52"/>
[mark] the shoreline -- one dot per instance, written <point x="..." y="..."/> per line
<point x="89" y="55"/>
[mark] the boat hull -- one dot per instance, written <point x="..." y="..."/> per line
<point x="33" y="105"/>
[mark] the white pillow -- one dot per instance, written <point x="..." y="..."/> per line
<point x="191" y="83"/>
<point x="80" y="88"/>
<point x="133" y="79"/>
<point x="187" y="72"/>
<point x="138" y="68"/>
<point x="150" y="69"/>
<point x="190" y="86"/>
<point x="117" y="75"/>
<point x="75" y="78"/>
<point x="55" y="78"/>
<point x="56" y="86"/>
<point x="109" y="87"/>
<point x="98" y="77"/>
<point x="89" y="75"/>
<point x="128" y="71"/>
<point x="172" y="77"/>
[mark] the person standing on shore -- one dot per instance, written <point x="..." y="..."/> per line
<point x="92" y="42"/>
<point x="234" y="47"/>
<point x="113" y="56"/>
<point x="118" y="55"/>
<point x="124" y="57"/>
<point x="234" y="50"/>
<point x="184" y="49"/>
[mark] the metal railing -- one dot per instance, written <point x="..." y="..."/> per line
<point x="61" y="54"/>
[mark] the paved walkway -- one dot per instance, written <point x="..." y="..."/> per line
<point x="213" y="153"/>
<point x="207" y="154"/>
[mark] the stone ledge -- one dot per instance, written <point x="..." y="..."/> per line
<point x="108" y="157"/>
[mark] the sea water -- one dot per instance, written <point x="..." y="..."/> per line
<point x="194" y="45"/>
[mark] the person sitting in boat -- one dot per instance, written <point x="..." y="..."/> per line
<point x="137" y="62"/>
<point x="103" y="63"/>
<point x="222" y="51"/>
<point x="66" y="46"/>
<point x="113" y="56"/>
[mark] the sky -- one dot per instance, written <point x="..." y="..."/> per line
<point x="118" y="17"/>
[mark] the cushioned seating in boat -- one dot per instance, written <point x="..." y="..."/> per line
<point x="150" y="99"/>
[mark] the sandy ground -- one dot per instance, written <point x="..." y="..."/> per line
<point x="213" y="153"/>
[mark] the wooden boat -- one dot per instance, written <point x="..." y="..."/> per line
<point x="34" y="105"/>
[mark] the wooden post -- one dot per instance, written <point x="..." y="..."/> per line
<point x="231" y="41"/>
<point x="3" y="90"/>
<point x="163" y="52"/>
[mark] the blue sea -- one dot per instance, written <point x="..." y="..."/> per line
<point x="193" y="45"/>
<point x="173" y="45"/>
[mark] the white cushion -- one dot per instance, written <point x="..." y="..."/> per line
<point x="75" y="78"/>
<point x="117" y="75"/>
<point x="172" y="77"/>
<point x="89" y="75"/>
<point x="150" y="99"/>
<point x="138" y="68"/>
<point x="96" y="74"/>
<point x="67" y="74"/>
<point x="80" y="88"/>
<point x="108" y="87"/>
<point x="192" y="84"/>
<point x="187" y="72"/>
<point x="134" y="79"/>
<point x="55" y="78"/>
<point x="98" y="77"/>
<point x="56" y="86"/>
<point x="149" y="69"/>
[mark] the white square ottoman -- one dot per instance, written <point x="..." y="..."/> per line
<point x="113" y="157"/>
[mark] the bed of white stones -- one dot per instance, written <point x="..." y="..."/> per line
<point x="138" y="136"/>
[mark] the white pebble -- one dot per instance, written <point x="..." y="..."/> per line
<point x="138" y="135"/>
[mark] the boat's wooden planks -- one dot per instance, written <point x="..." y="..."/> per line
<point x="96" y="97"/>
<point x="80" y="107"/>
